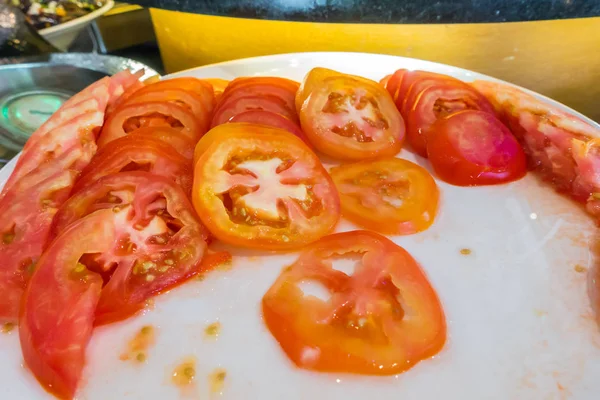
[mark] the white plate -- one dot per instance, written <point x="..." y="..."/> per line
<point x="63" y="35"/>
<point x="519" y="321"/>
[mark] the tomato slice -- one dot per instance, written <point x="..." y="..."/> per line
<point x="182" y="144"/>
<point x="237" y="105"/>
<point x="271" y="119"/>
<point x="27" y="211"/>
<point x="394" y="81"/>
<point x="138" y="153"/>
<point x="349" y="117"/>
<point x="380" y="320"/>
<point x="410" y="77"/>
<point x="257" y="93"/>
<point x="438" y="101"/>
<point x="130" y="117"/>
<point x="471" y="148"/>
<point x="390" y="196"/>
<point x="94" y="98"/>
<point x="147" y="243"/>
<point x="284" y="89"/>
<point x="266" y="190"/>
<point x="200" y="107"/>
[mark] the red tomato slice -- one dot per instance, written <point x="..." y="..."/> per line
<point x="233" y="106"/>
<point x="393" y="83"/>
<point x="94" y="98"/>
<point x="283" y="89"/>
<point x="266" y="190"/>
<point x="137" y="153"/>
<point x="391" y="196"/>
<point x="381" y="320"/>
<point x="471" y="148"/>
<point x="120" y="82"/>
<point x="143" y="245"/>
<point x="200" y="107"/>
<point x="78" y="133"/>
<point x="182" y="144"/>
<point x="57" y="312"/>
<point x="130" y="117"/>
<point x="27" y="211"/>
<point x="349" y="117"/>
<point x="438" y="101"/>
<point x="271" y="119"/>
<point x="410" y="77"/>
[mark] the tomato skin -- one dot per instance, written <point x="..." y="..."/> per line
<point x="426" y="110"/>
<point x="372" y="128"/>
<point x="271" y="119"/>
<point x="237" y="105"/>
<point x="393" y="83"/>
<point x="364" y="188"/>
<point x="114" y="126"/>
<point x="410" y="77"/>
<point x="312" y="205"/>
<point x="361" y="329"/>
<point x="57" y="311"/>
<point x="118" y="155"/>
<point x="257" y="93"/>
<point x="172" y="137"/>
<point x="470" y="148"/>
<point x="25" y="228"/>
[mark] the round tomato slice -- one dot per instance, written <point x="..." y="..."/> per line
<point x="438" y="101"/>
<point x="349" y="117"/>
<point x="471" y="148"/>
<point x="137" y="153"/>
<point x="136" y="250"/>
<point x="130" y="117"/>
<point x="237" y="105"/>
<point x="271" y="119"/>
<point x="380" y="320"/>
<point x="266" y="191"/>
<point x="390" y="196"/>
<point x="281" y="88"/>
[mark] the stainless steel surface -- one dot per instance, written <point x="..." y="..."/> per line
<point x="32" y="88"/>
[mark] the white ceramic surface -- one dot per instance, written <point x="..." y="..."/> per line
<point x="519" y="321"/>
<point x="63" y="35"/>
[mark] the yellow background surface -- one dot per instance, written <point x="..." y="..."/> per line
<point x="560" y="59"/>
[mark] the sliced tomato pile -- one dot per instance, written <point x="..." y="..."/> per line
<point x="257" y="186"/>
<point x="423" y="97"/>
<point x="391" y="196"/>
<point x="563" y="147"/>
<point x="127" y="237"/>
<point x="260" y="100"/>
<point x="116" y="197"/>
<point x="98" y="233"/>
<point x="348" y="117"/>
<point x="435" y="107"/>
<point x="41" y="182"/>
<point x="139" y="152"/>
<point x="381" y="319"/>
<point x="183" y="104"/>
